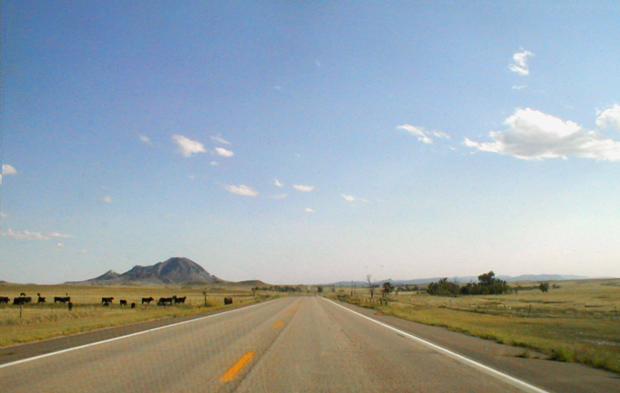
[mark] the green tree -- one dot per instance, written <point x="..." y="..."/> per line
<point x="387" y="288"/>
<point x="544" y="287"/>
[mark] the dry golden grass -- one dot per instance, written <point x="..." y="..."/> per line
<point x="577" y="322"/>
<point x="41" y="321"/>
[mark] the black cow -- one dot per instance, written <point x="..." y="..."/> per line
<point x="41" y="300"/>
<point x="147" y="300"/>
<point x="123" y="302"/>
<point x="62" y="299"/>
<point x="22" y="300"/>
<point x="4" y="300"/>
<point x="180" y="300"/>
<point x="133" y="305"/>
<point x="227" y="300"/>
<point x="105" y="300"/>
<point x="165" y="301"/>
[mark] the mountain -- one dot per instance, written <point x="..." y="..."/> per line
<point x="173" y="271"/>
<point x="465" y="279"/>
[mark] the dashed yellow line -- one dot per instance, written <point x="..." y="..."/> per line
<point x="237" y="367"/>
<point x="278" y="324"/>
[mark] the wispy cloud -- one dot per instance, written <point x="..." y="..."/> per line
<point x="518" y="87"/>
<point x="3" y="214"/>
<point x="187" y="147"/>
<point x="279" y="196"/>
<point x="422" y="134"/>
<point x="59" y="235"/>
<point x="309" y="210"/>
<point x="532" y="134"/>
<point x="302" y="188"/>
<point x="520" y="65"/>
<point x="145" y="139"/>
<point x="241" y="190"/>
<point x="219" y="139"/>
<point x="25" y="234"/>
<point x="214" y="163"/>
<point x="352" y="198"/>
<point x="223" y="152"/>
<point x="277" y="183"/>
<point x="609" y="118"/>
<point x="107" y="199"/>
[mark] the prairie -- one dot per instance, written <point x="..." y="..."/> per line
<point x="576" y="321"/>
<point x="42" y="321"/>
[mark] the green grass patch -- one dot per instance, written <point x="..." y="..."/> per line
<point x="577" y="322"/>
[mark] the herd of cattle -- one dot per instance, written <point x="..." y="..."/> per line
<point x="22" y="299"/>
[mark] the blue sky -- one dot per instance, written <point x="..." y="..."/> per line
<point x="299" y="142"/>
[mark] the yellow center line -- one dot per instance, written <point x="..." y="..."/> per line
<point x="289" y="312"/>
<point x="278" y="324"/>
<point x="237" y="367"/>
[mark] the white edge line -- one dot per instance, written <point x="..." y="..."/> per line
<point x="121" y="337"/>
<point x="514" y="381"/>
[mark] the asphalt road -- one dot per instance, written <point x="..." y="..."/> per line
<point x="294" y="344"/>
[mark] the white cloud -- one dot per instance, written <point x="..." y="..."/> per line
<point x="8" y="170"/>
<point x="107" y="199"/>
<point x="519" y="87"/>
<point x="187" y="147"/>
<point x="532" y="134"/>
<point x="308" y="210"/>
<point x="24" y="234"/>
<point x="3" y="214"/>
<point x="214" y="163"/>
<point x="145" y="139"/>
<point x="352" y="198"/>
<point x="303" y="188"/>
<point x="59" y="235"/>
<point x="59" y="244"/>
<point x="279" y="196"/>
<point x="218" y="138"/>
<point x="520" y="65"/>
<point x="241" y="190"/>
<point x="422" y="134"/>
<point x="223" y="152"/>
<point x="610" y="118"/>
<point x="277" y="183"/>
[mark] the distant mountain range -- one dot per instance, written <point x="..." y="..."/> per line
<point x="466" y="279"/>
<point x="173" y="271"/>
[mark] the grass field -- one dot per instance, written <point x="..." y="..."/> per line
<point x="41" y="321"/>
<point x="576" y="322"/>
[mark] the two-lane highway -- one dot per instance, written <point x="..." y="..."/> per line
<point x="294" y="344"/>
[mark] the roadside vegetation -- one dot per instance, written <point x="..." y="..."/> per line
<point x="33" y="321"/>
<point x="570" y="321"/>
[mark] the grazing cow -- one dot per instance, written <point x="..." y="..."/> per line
<point x="123" y="302"/>
<point x="70" y="306"/>
<point x="62" y="299"/>
<point x="106" y="300"/>
<point x="41" y="300"/>
<point x="180" y="300"/>
<point x="165" y="300"/>
<point x="4" y="299"/>
<point x="22" y="300"/>
<point x="133" y="305"/>
<point x="227" y="300"/>
<point x="22" y="294"/>
<point x="147" y="300"/>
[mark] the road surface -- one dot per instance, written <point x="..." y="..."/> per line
<point x="293" y="344"/>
